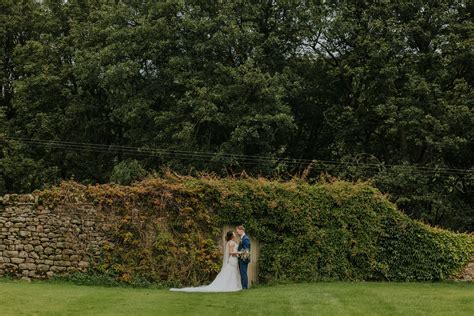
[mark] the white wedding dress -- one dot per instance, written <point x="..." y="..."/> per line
<point x="228" y="279"/>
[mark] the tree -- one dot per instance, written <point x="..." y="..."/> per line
<point x="379" y="91"/>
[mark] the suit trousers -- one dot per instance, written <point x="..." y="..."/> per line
<point x="243" y="266"/>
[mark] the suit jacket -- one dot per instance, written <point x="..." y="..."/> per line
<point x="244" y="244"/>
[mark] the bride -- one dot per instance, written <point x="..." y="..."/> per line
<point x="228" y="279"/>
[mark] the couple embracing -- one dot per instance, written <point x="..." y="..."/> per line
<point x="233" y="275"/>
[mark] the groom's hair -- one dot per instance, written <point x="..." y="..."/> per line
<point x="241" y="227"/>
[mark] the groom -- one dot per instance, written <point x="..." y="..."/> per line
<point x="243" y="263"/>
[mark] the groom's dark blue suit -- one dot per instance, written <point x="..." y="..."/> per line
<point x="243" y="264"/>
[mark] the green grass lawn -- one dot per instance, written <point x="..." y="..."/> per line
<point x="37" y="298"/>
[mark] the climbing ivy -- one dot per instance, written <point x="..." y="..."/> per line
<point x="165" y="230"/>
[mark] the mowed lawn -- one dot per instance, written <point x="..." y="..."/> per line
<point x="338" y="298"/>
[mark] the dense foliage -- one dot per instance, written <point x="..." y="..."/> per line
<point x="165" y="231"/>
<point x="386" y="87"/>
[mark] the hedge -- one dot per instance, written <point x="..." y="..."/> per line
<point x="164" y="230"/>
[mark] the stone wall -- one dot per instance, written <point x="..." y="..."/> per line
<point x="37" y="241"/>
<point x="468" y="273"/>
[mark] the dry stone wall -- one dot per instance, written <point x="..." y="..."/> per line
<point x="37" y="241"/>
<point x="468" y="273"/>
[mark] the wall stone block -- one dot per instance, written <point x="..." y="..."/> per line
<point x="38" y="242"/>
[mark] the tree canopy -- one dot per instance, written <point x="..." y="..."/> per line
<point x="368" y="90"/>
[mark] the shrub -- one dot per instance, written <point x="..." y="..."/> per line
<point x="165" y="231"/>
<point x="127" y="171"/>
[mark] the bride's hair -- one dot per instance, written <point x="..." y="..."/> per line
<point x="229" y="235"/>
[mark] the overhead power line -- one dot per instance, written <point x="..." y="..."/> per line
<point x="216" y="156"/>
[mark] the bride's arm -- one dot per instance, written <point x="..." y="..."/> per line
<point x="232" y="251"/>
